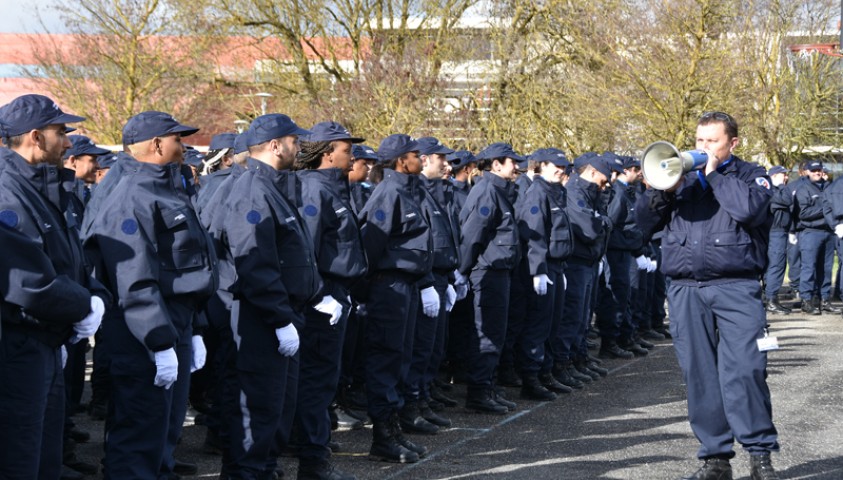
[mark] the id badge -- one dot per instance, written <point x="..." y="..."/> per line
<point x="767" y="343"/>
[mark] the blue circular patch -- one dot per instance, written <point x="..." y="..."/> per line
<point x="9" y="218"/>
<point x="129" y="226"/>
<point x="485" y="211"/>
<point x="380" y="215"/>
<point x="311" y="210"/>
<point x="534" y="210"/>
<point x="581" y="203"/>
<point x="253" y="217"/>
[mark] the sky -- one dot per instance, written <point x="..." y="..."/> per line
<point x="15" y="18"/>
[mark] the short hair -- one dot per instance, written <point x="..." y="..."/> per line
<point x="724" y="118"/>
<point x="485" y="164"/>
<point x="15" y="141"/>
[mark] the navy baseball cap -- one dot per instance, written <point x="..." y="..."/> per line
<point x="630" y="162"/>
<point x="499" y="150"/>
<point x="193" y="157"/>
<point x="432" y="146"/>
<point x="222" y="141"/>
<point x="107" y="161"/>
<point x="614" y="161"/>
<point x="364" y="152"/>
<point x="601" y="164"/>
<point x="396" y="145"/>
<point x="461" y="158"/>
<point x="777" y="169"/>
<point x="150" y="124"/>
<point x="814" y="165"/>
<point x="82" y="145"/>
<point x="271" y="126"/>
<point x="330" y="131"/>
<point x="552" y="155"/>
<point x="582" y="160"/>
<point x="240" y="143"/>
<point x="31" y="112"/>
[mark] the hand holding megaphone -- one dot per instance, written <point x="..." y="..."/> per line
<point x="664" y="166"/>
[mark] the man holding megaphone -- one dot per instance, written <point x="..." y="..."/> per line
<point x="715" y="217"/>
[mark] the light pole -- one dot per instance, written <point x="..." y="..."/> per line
<point x="241" y="125"/>
<point x="263" y="96"/>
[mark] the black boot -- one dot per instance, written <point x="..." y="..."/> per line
<point x="479" y="399"/>
<point x="436" y="393"/>
<point x="532" y="389"/>
<point x="560" y="373"/>
<point x="825" y="306"/>
<point x="345" y="420"/>
<point x="610" y="349"/>
<point x="594" y="367"/>
<point x="428" y="414"/>
<point x="498" y="396"/>
<point x="761" y="468"/>
<point x="810" y="306"/>
<point x="553" y="385"/>
<point x="644" y="343"/>
<point x="386" y="448"/>
<point x="411" y="420"/>
<point x="713" y="469"/>
<point x="572" y="371"/>
<point x="321" y="470"/>
<point x="419" y="450"/>
<point x="633" y="347"/>
<point x="774" y="307"/>
<point x="580" y="365"/>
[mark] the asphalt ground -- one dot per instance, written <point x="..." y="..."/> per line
<point x="629" y="425"/>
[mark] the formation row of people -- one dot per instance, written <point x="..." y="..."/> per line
<point x="292" y="271"/>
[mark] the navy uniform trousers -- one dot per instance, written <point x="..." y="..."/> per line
<point x="776" y="263"/>
<point x="544" y="313"/>
<point x="391" y="318"/>
<point x="573" y="327"/>
<point x="714" y="330"/>
<point x="491" y="309"/>
<point x="816" y="250"/>
<point x="31" y="409"/>
<point x="428" y="345"/>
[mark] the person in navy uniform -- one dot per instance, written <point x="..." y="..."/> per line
<point x="780" y="208"/>
<point x="323" y="166"/>
<point x="546" y="234"/>
<point x="215" y="165"/>
<point x="151" y="251"/>
<point x="714" y="249"/>
<point x="416" y="415"/>
<point x="590" y="227"/>
<point x="462" y="164"/>
<point x="48" y="295"/>
<point x="489" y="250"/>
<point x="815" y="241"/>
<point x="399" y="246"/>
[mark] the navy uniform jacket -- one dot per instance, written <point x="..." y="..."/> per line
<point x="589" y="225"/>
<point x="396" y="236"/>
<point x="210" y="183"/>
<point x="150" y="250"/>
<point x="626" y="235"/>
<point x="489" y="233"/>
<point x="327" y="214"/>
<point x="360" y="193"/>
<point x="717" y="225"/>
<point x="212" y="216"/>
<point x="460" y="194"/>
<point x="543" y="224"/>
<point x="104" y="189"/>
<point x="834" y="203"/>
<point x="780" y="208"/>
<point x="443" y="225"/>
<point x="271" y="250"/>
<point x="46" y="286"/>
<point x="809" y="206"/>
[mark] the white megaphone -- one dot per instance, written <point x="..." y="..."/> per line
<point x="663" y="164"/>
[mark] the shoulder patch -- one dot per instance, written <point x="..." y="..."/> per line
<point x="485" y="211"/>
<point x="311" y="210"/>
<point x="9" y="218"/>
<point x="253" y="217"/>
<point x="534" y="209"/>
<point x="763" y="182"/>
<point x="129" y="226"/>
<point x="580" y="203"/>
<point x="380" y="215"/>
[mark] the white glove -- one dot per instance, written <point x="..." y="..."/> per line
<point x="430" y="302"/>
<point x="288" y="340"/>
<point x="462" y="291"/>
<point x="540" y="283"/>
<point x="459" y="279"/>
<point x="329" y="306"/>
<point x="651" y="265"/>
<point x="90" y="324"/>
<point x="166" y="368"/>
<point x="600" y="267"/>
<point x="792" y="239"/>
<point x="564" y="281"/>
<point x="200" y="354"/>
<point x="642" y="262"/>
<point x="596" y="214"/>
<point x="450" y="298"/>
<point x="63" y="357"/>
<point x="838" y="230"/>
